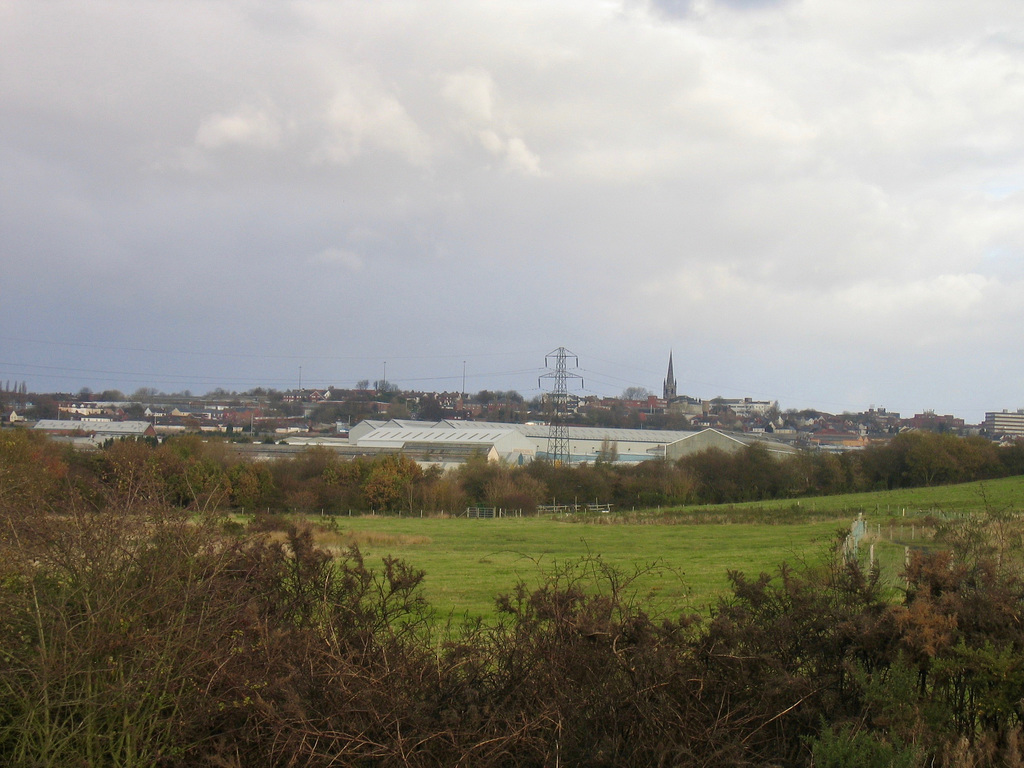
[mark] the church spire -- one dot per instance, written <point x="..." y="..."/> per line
<point x="669" y="391"/>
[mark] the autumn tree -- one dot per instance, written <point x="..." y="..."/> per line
<point x="608" y="453"/>
<point x="439" y="491"/>
<point x="194" y="472"/>
<point x="389" y="482"/>
<point x="252" y="485"/>
<point x="511" y="489"/>
<point x="31" y="471"/>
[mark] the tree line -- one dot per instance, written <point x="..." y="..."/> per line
<point x="135" y="633"/>
<point x="190" y="473"/>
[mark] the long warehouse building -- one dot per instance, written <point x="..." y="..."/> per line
<point x="450" y="442"/>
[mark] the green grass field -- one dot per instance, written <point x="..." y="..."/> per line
<point x="1004" y="493"/>
<point x="469" y="562"/>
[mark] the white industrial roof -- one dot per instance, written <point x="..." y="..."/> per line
<point x="97" y="427"/>
<point x="533" y="438"/>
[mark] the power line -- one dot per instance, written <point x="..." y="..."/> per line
<point x="558" y="437"/>
<point x="259" y="355"/>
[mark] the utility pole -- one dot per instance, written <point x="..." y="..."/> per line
<point x="558" y="435"/>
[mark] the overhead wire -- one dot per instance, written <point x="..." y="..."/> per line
<point x="611" y="383"/>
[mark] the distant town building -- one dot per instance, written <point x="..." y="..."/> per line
<point x="932" y="421"/>
<point x="746" y="406"/>
<point x="835" y="439"/>
<point x="1005" y="422"/>
<point x="92" y="433"/>
<point x="669" y="387"/>
<point x="688" y="406"/>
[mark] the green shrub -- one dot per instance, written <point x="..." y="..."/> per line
<point x="846" y="747"/>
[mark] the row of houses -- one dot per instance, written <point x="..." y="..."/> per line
<point x="761" y="421"/>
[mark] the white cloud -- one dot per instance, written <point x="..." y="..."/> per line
<point x="337" y="257"/>
<point x="472" y="93"/>
<point x="246" y="127"/>
<point x="359" y="119"/>
<point x="521" y="159"/>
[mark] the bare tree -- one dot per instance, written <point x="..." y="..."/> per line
<point x="635" y="393"/>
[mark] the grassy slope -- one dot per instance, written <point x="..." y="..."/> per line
<point x="469" y="562"/>
<point x="1003" y="493"/>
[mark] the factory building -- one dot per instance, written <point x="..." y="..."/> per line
<point x="522" y="443"/>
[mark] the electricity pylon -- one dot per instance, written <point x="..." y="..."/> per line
<point x="558" y="436"/>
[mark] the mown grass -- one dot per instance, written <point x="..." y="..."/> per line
<point x="469" y="562"/>
<point x="680" y="557"/>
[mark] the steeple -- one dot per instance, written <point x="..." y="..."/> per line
<point x="669" y="391"/>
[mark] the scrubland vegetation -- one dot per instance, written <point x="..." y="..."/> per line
<point x="141" y="625"/>
<point x="198" y="474"/>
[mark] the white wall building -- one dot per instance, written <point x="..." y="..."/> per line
<point x="1004" y="422"/>
<point x="522" y="443"/>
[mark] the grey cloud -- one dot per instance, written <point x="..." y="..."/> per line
<point x="773" y="194"/>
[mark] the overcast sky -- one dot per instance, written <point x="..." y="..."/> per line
<point x="814" y="201"/>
